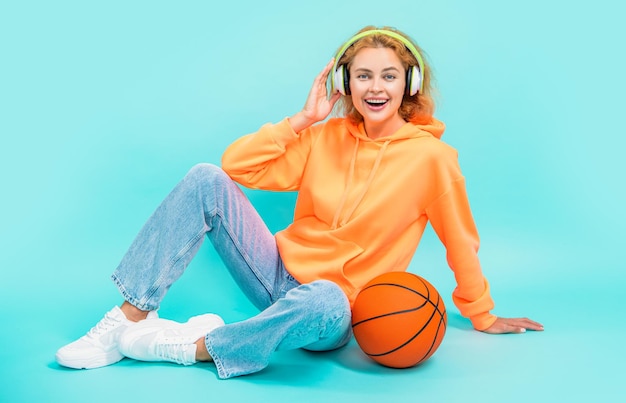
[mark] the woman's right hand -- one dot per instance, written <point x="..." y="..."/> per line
<point x="318" y="106"/>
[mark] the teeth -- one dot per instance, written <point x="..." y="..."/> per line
<point x="376" y="101"/>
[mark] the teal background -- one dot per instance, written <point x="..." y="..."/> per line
<point x="104" y="106"/>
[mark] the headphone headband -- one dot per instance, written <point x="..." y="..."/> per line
<point x="407" y="43"/>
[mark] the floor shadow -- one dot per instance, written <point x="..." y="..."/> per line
<point x="457" y="321"/>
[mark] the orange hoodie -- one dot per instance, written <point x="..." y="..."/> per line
<point x="363" y="204"/>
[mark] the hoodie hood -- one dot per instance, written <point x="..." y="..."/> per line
<point x="433" y="128"/>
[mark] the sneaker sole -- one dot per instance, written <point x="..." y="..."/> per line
<point x="101" y="360"/>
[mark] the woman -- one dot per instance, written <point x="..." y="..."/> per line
<point x="367" y="185"/>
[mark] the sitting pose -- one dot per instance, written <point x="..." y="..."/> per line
<point x="368" y="182"/>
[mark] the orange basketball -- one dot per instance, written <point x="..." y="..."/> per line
<point x="399" y="319"/>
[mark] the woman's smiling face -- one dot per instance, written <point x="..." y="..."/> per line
<point x="377" y="85"/>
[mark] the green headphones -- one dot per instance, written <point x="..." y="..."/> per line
<point x="414" y="76"/>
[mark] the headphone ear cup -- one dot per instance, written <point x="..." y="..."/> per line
<point x="413" y="80"/>
<point x="346" y="80"/>
<point x="338" y="80"/>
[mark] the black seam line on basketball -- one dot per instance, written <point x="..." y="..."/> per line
<point x="426" y="297"/>
<point x="426" y="300"/>
<point x="438" y="300"/>
<point x="408" y="341"/>
<point x="436" y="334"/>
<point x="435" y="306"/>
<point x="399" y="286"/>
<point x="432" y="345"/>
<point x="389" y="314"/>
<point x="436" y="310"/>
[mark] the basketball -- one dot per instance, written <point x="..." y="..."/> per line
<point x="399" y="319"/>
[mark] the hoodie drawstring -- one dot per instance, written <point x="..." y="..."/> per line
<point x="369" y="181"/>
<point x="344" y="196"/>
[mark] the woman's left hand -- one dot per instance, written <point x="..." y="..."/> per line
<point x="513" y="325"/>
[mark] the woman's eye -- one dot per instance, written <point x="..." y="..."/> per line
<point x="390" y="77"/>
<point x="362" y="76"/>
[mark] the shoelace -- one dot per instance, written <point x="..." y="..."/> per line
<point x="173" y="350"/>
<point x="107" y="323"/>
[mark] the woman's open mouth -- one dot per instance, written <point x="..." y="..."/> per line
<point x="376" y="103"/>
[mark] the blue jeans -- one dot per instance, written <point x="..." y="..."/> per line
<point x="314" y="316"/>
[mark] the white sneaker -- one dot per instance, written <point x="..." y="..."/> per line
<point x="166" y="340"/>
<point x="98" y="348"/>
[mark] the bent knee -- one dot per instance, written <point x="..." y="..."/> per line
<point x="205" y="169"/>
<point x="206" y="172"/>
<point x="332" y="308"/>
<point x="327" y="296"/>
